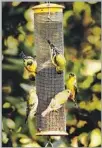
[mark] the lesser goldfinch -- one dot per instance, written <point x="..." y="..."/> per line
<point x="57" y="58"/>
<point x="30" y="67"/>
<point x="71" y="84"/>
<point x="57" y="102"/>
<point x="32" y="104"/>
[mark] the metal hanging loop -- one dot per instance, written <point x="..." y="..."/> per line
<point x="49" y="16"/>
<point x="49" y="143"/>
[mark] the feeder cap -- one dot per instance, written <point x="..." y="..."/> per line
<point x="42" y="8"/>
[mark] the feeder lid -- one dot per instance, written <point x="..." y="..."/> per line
<point x="45" y="8"/>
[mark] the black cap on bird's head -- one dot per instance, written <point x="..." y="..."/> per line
<point x="26" y="57"/>
<point x="71" y="75"/>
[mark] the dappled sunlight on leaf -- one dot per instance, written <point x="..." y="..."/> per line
<point x="66" y="16"/>
<point x="33" y="144"/>
<point x="71" y="122"/>
<point x="83" y="138"/>
<point x="29" y="40"/>
<point x="29" y="15"/>
<point x="6" y="89"/>
<point x="72" y="129"/>
<point x="15" y="4"/>
<point x="25" y="140"/>
<point x="81" y="123"/>
<point x="10" y="123"/>
<point x="91" y="66"/>
<point x="6" y="105"/>
<point x="86" y="83"/>
<point x="96" y="30"/>
<point x="96" y="88"/>
<point x="91" y="105"/>
<point x="78" y="6"/>
<point x="19" y="129"/>
<point x="74" y="142"/>
<point x="21" y="37"/>
<point x="99" y="124"/>
<point x="95" y="138"/>
<point x="30" y="27"/>
<point x="9" y="52"/>
<point x="4" y="137"/>
<point x="93" y="39"/>
<point x="12" y="43"/>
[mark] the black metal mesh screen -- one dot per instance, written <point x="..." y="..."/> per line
<point x="48" y="82"/>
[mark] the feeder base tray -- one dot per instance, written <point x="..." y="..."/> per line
<point x="52" y="133"/>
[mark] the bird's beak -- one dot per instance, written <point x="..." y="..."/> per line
<point x="69" y="76"/>
<point x="70" y="96"/>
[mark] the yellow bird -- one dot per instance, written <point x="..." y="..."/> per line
<point x="32" y="104"/>
<point x="71" y="84"/>
<point x="30" y="67"/>
<point x="57" y="102"/>
<point x="57" y="58"/>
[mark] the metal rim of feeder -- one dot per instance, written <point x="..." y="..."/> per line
<point x="52" y="133"/>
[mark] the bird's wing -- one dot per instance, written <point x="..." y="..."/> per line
<point x="27" y="112"/>
<point x="25" y="74"/>
<point x="76" y="90"/>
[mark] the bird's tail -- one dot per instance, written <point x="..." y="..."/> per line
<point x="26" y="119"/>
<point x="51" y="45"/>
<point x="54" y="49"/>
<point x="45" y="112"/>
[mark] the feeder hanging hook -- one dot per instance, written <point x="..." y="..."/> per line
<point x="48" y="9"/>
<point x="49" y="143"/>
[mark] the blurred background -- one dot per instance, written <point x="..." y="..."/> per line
<point x="82" y="39"/>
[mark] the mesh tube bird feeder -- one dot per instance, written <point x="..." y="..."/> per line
<point x="48" y="81"/>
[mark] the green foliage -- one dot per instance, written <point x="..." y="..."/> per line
<point x="82" y="30"/>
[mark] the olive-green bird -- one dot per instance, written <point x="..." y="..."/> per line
<point x="71" y="84"/>
<point x="32" y="104"/>
<point x="57" y="58"/>
<point x="57" y="102"/>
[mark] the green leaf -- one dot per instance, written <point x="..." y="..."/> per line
<point x="6" y="105"/>
<point x="4" y="138"/>
<point x="10" y="123"/>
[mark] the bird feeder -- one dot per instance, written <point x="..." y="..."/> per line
<point x="48" y="25"/>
